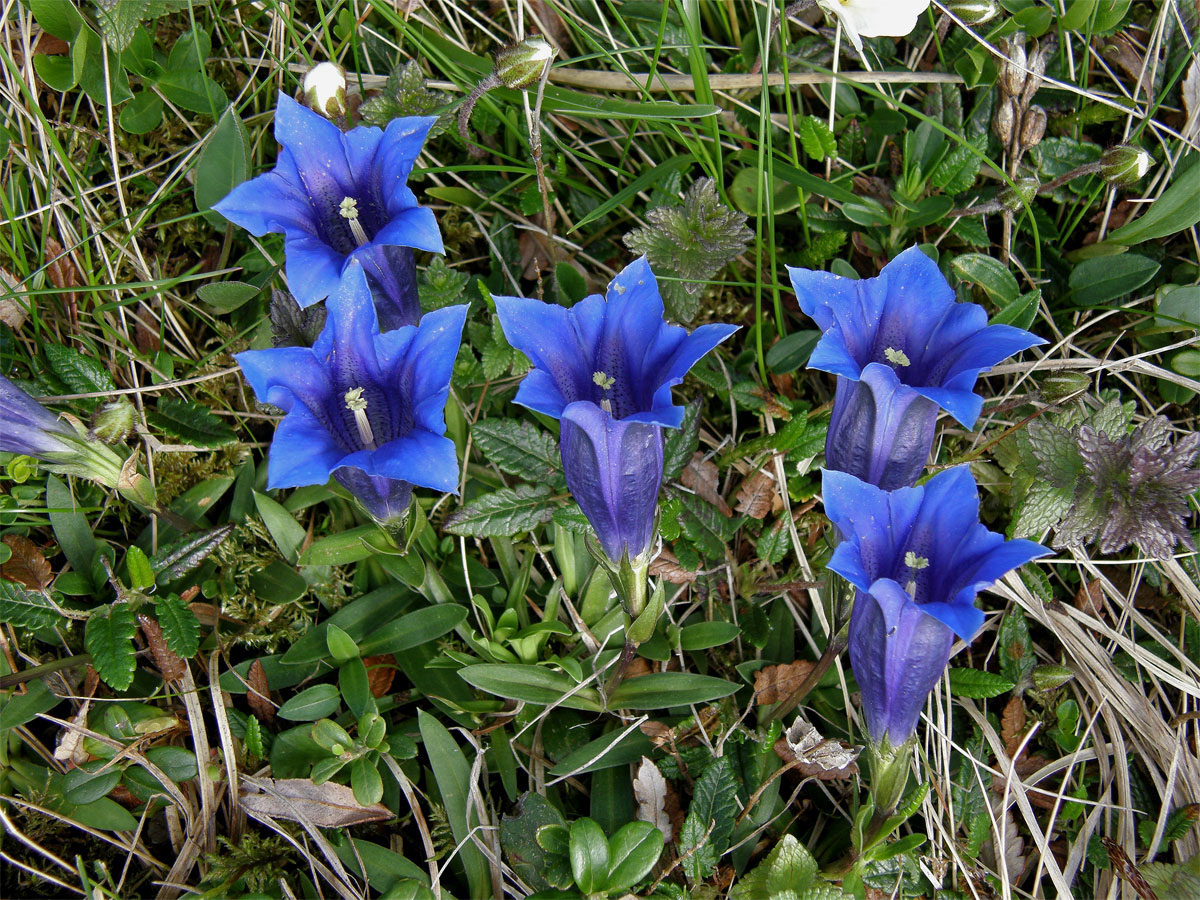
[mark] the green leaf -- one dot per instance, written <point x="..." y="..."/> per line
<point x="226" y="296"/>
<point x="660" y="690"/>
<point x="978" y="685"/>
<point x="957" y="171"/>
<point x="452" y="774"/>
<point x="57" y="17"/>
<point x="311" y="704"/>
<point x="180" y="626"/>
<point x="704" y="635"/>
<point x="81" y="786"/>
<point x="287" y="533"/>
<point x="714" y="805"/>
<point x="589" y="855"/>
<point x="1101" y="279"/>
<point x="705" y="526"/>
<point x="520" y="448"/>
<point x="341" y="646"/>
<point x="71" y="527"/>
<point x="816" y="138"/>
<point x="56" y="71"/>
<point x="774" y="543"/>
<point x="177" y="559"/>
<point x="26" y="608"/>
<point x="1017" y="659"/>
<point x="119" y="20"/>
<point x="141" y="573"/>
<point x="682" y="442"/>
<point x="365" y="782"/>
<point x="1171" y="213"/>
<point x="224" y="163"/>
<point x="190" y="423"/>
<point x="791" y="352"/>
<point x="990" y="274"/>
<point x="109" y="638"/>
<point x="413" y="630"/>
<point x="142" y="114"/>
<point x="503" y="513"/>
<point x="788" y="867"/>
<point x="532" y="684"/>
<point x="196" y="92"/>
<point x="254" y="738"/>
<point x="440" y="285"/>
<point x="1021" y="312"/>
<point x="81" y="373"/>
<point x="518" y="838"/>
<point x="633" y="851"/>
<point x="17" y="709"/>
<point x="1043" y="507"/>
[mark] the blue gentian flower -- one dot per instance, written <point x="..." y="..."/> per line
<point x="63" y="445"/>
<point x="363" y="406"/>
<point x="340" y="196"/>
<point x="605" y="368"/>
<point x="917" y="557"/>
<point x="901" y="348"/>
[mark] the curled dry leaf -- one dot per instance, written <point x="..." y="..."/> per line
<point x="700" y="475"/>
<point x="381" y="672"/>
<point x="70" y="742"/>
<point x="328" y="805"/>
<point x="650" y="789"/>
<point x="165" y="659"/>
<point x="1012" y="725"/>
<point x="258" y="694"/>
<point x="1191" y="101"/>
<point x="14" y="309"/>
<point x="26" y="566"/>
<point x="666" y="565"/>
<point x="775" y="683"/>
<point x="1090" y="598"/>
<point x="814" y="756"/>
<point x="757" y="494"/>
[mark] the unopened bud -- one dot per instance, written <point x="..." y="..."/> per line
<point x="112" y="421"/>
<point x="520" y="65"/>
<point x="325" y="90"/>
<point x="1016" y="200"/>
<point x="1033" y="126"/>
<point x="1012" y="71"/>
<point x="973" y="12"/>
<point x="1124" y="165"/>
<point x="1005" y="120"/>
<point x="1062" y="384"/>
<point x="1047" y="678"/>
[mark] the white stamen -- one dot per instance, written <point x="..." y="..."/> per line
<point x="916" y="563"/>
<point x="605" y="383"/>
<point x="357" y="404"/>
<point x="348" y="209"/>
<point x="897" y="357"/>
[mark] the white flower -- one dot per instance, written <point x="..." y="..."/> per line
<point x="325" y="89"/>
<point x="875" y="18"/>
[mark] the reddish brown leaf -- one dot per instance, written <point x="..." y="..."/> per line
<point x="1012" y="725"/>
<point x="701" y="476"/>
<point x="666" y="565"/>
<point x="757" y="494"/>
<point x="258" y="694"/>
<point x="660" y="735"/>
<point x="381" y="672"/>
<point x="64" y="275"/>
<point x="775" y="683"/>
<point x="168" y="662"/>
<point x="1126" y="870"/>
<point x="328" y="805"/>
<point x="26" y="566"/>
<point x="1090" y="598"/>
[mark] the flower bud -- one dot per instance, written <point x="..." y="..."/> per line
<point x="520" y="65"/>
<point x="1124" y="165"/>
<point x="1012" y="71"/>
<point x="1033" y="126"/>
<point x="112" y="421"/>
<point x="1062" y="384"/>
<point x="325" y="90"/>
<point x="1004" y="121"/>
<point x="1015" y="201"/>
<point x="973" y="12"/>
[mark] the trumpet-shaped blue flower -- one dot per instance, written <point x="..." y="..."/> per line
<point x="363" y="406"/>
<point x="605" y="367"/>
<point x="901" y="348"/>
<point x="340" y="196"/>
<point x="917" y="557"/>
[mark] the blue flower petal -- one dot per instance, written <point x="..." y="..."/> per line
<point x="416" y="227"/>
<point x="420" y="457"/>
<point x="544" y="332"/>
<point x="314" y="269"/>
<point x="429" y="364"/>
<point x="874" y="525"/>
<point x="268" y="203"/>
<point x="286" y="376"/>
<point x="398" y="151"/>
<point x="302" y="452"/>
<point x="318" y="149"/>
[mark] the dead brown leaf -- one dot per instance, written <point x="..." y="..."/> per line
<point x="756" y="494"/>
<point x="775" y="683"/>
<point x="1126" y="870"/>
<point x="701" y="475"/>
<point x="666" y="565"/>
<point x="26" y="566"/>
<point x="14" y="310"/>
<point x="650" y="790"/>
<point x="167" y="660"/>
<point x="1012" y="725"/>
<point x="258" y="696"/>
<point x="381" y="672"/>
<point x="815" y="756"/>
<point x="328" y="805"/>
<point x="1090" y="598"/>
<point x="64" y="275"/>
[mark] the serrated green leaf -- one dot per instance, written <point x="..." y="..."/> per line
<point x="254" y="739"/>
<point x="1043" y="507"/>
<point x="26" y="608"/>
<point x="705" y="526"/>
<point x="503" y="513"/>
<point x="519" y="447"/>
<point x="441" y="285"/>
<point x="179" y="624"/>
<point x="1016" y="648"/>
<point x="682" y="442"/>
<point x="109" y="639"/>
<point x="79" y="372"/>
<point x="774" y="543"/>
<point x="190" y="423"/>
<point x="816" y="138"/>
<point x="714" y="803"/>
<point x="176" y="560"/>
<point x="978" y="685"/>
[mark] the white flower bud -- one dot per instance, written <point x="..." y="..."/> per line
<point x="973" y="12"/>
<point x="520" y="65"/>
<point x="1124" y="165"/>
<point x="325" y="90"/>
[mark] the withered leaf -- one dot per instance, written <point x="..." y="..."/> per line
<point x="168" y="662"/>
<point x="1012" y="725"/>
<point x="700" y="475"/>
<point x="381" y="672"/>
<point x="666" y="565"/>
<point x="1090" y="598"/>
<point x="26" y="566"/>
<point x="813" y="755"/>
<point x="650" y="790"/>
<point x="1126" y="869"/>
<point x="775" y="683"/>
<point x="258" y="694"/>
<point x="328" y="805"/>
<point x="757" y="494"/>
